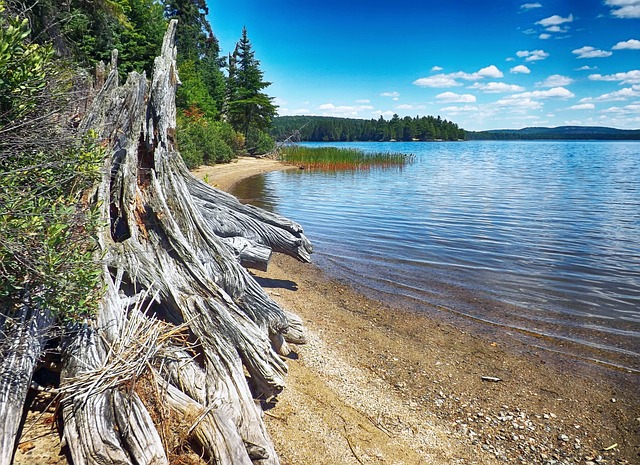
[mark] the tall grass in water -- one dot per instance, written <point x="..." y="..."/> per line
<point x="334" y="158"/>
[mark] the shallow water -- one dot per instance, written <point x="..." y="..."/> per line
<point x="539" y="238"/>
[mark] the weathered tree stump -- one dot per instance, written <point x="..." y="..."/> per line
<point x="180" y="316"/>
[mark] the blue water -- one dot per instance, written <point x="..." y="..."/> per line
<point x="537" y="238"/>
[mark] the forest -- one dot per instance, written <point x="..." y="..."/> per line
<point x="330" y="129"/>
<point x="223" y="109"/>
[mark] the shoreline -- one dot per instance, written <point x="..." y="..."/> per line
<point x="378" y="384"/>
<point x="382" y="384"/>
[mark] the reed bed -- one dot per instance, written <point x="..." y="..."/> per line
<point x="337" y="159"/>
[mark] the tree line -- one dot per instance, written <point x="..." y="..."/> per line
<point x="330" y="129"/>
<point x="223" y="109"/>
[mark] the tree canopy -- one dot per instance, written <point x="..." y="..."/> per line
<point x="330" y="129"/>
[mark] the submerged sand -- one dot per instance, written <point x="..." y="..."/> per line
<point x="383" y="385"/>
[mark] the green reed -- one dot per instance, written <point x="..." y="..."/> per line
<point x="334" y="158"/>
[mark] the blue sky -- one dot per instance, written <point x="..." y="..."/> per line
<point x="484" y="65"/>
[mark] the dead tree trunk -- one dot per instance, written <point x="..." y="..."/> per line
<point x="180" y="314"/>
<point x="23" y="336"/>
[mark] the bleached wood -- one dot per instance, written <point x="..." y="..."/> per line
<point x="174" y="252"/>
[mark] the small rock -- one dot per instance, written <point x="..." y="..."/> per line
<point x="563" y="437"/>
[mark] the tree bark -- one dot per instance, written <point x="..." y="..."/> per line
<point x="178" y="302"/>
<point x="22" y="340"/>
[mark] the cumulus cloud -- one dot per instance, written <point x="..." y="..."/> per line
<point x="555" y="80"/>
<point x="529" y="100"/>
<point x="544" y="36"/>
<point x="532" y="55"/>
<point x="436" y="68"/>
<point x="530" y="6"/>
<point x="591" y="52"/>
<point x="390" y="94"/>
<point x="586" y="68"/>
<point x="490" y="71"/>
<point x="457" y="109"/>
<point x="582" y="106"/>
<point x="626" y="110"/>
<point x="624" y="8"/>
<point x="457" y="98"/>
<point x="496" y="87"/>
<point x="330" y="109"/>
<point x="520" y="69"/>
<point x="450" y="80"/>
<point x="631" y="44"/>
<point x="410" y="107"/>
<point x="555" y="20"/>
<point x="439" y="80"/>
<point x="629" y="77"/>
<point x="619" y="95"/>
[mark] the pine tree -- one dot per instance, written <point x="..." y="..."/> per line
<point x="247" y="108"/>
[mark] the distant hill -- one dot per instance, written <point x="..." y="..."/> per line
<point x="559" y="133"/>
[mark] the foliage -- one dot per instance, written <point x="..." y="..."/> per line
<point x="23" y="69"/>
<point x="329" y="129"/>
<point x="259" y="142"/>
<point x="334" y="158"/>
<point x="46" y="246"/>
<point x="247" y="106"/>
<point x="204" y="141"/>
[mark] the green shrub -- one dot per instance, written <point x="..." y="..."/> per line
<point x="259" y="142"/>
<point x="202" y="141"/>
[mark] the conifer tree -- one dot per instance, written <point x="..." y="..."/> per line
<point x="248" y="108"/>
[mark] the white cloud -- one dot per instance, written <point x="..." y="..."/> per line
<point x="410" y="107"/>
<point x="364" y="100"/>
<point x="619" y="95"/>
<point x="556" y="29"/>
<point x="529" y="100"/>
<point x="496" y="87"/>
<point x="455" y="98"/>
<point x="533" y="55"/>
<point x="280" y="101"/>
<point x="520" y="103"/>
<point x="490" y="71"/>
<point x="624" y="8"/>
<point x="555" y="20"/>
<point x="450" y="80"/>
<point x="330" y="109"/>
<point x="626" y="110"/>
<point x="439" y="80"/>
<point x="591" y="52"/>
<point x="521" y="69"/>
<point x="544" y="36"/>
<point x="631" y="44"/>
<point x="390" y="94"/>
<point x="586" y="68"/>
<point x="456" y="109"/>
<point x="556" y="92"/>
<point x="530" y="6"/>
<point x="582" y="106"/>
<point x="436" y="68"/>
<point x="555" y="80"/>
<point x="629" y="77"/>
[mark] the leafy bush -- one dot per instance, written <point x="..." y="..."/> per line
<point x="259" y="142"/>
<point x="46" y="230"/>
<point x="202" y="141"/>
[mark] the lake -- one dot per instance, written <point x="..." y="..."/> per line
<point x="538" y="240"/>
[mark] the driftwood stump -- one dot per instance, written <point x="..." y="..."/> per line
<point x="183" y="330"/>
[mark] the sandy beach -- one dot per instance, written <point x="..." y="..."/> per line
<point x="377" y="384"/>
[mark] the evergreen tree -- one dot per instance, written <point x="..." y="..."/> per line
<point x="247" y="107"/>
